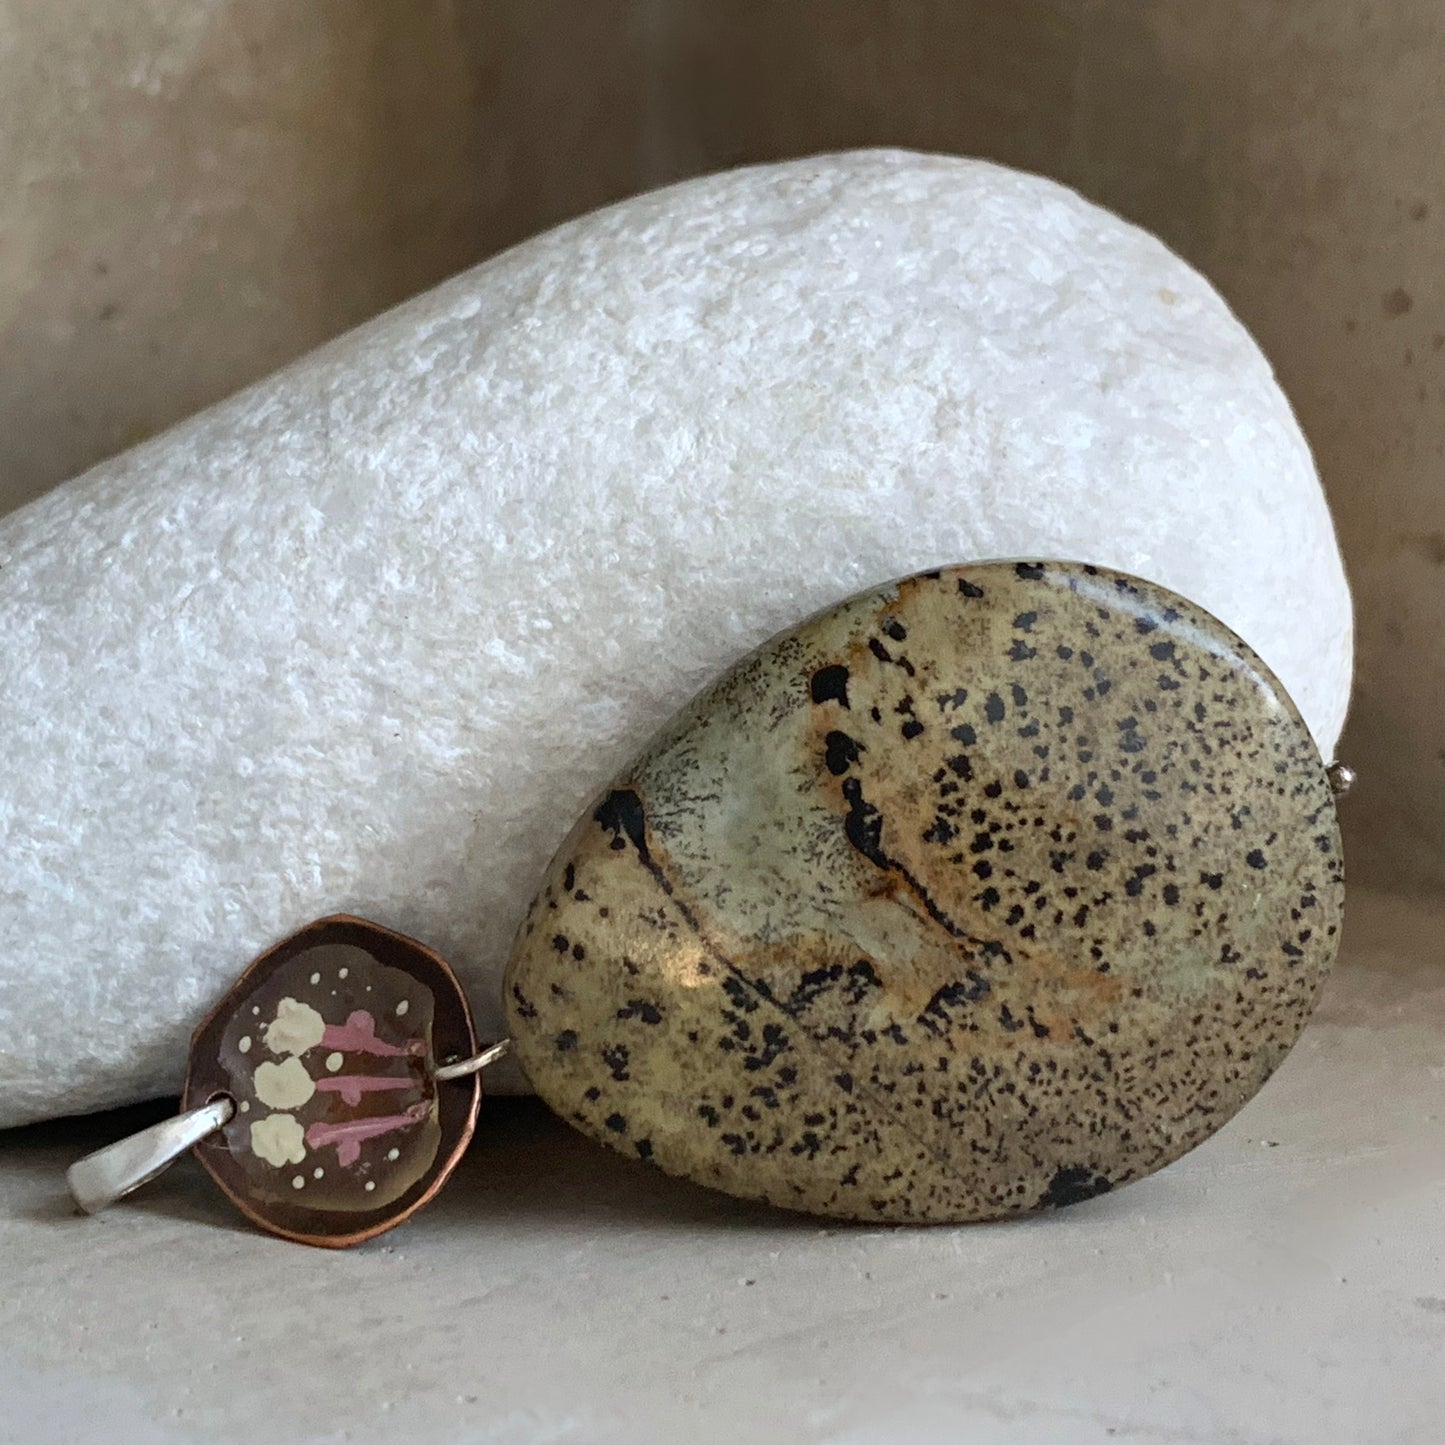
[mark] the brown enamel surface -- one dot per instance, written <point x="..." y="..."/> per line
<point x="326" y="1044"/>
<point x="983" y="892"/>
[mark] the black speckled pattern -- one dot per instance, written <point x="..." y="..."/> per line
<point x="987" y="891"/>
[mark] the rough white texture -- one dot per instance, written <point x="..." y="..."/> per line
<point x="367" y="636"/>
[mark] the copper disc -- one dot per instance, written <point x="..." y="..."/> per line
<point x="327" y="1044"/>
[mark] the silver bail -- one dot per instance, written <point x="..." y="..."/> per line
<point x="109" y="1174"/>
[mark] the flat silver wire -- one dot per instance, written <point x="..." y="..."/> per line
<point x="111" y="1173"/>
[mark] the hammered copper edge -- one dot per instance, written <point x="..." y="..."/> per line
<point x="458" y="1127"/>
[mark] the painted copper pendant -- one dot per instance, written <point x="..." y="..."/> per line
<point x="326" y="1048"/>
<point x="983" y="892"/>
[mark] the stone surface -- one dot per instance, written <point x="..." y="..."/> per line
<point x="1283" y="1284"/>
<point x="366" y="637"/>
<point x="1314" y="206"/>
<point x="195" y="193"/>
<point x="982" y="893"/>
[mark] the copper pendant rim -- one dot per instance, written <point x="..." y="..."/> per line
<point x="458" y="1101"/>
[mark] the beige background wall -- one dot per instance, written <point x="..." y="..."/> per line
<point x="194" y="191"/>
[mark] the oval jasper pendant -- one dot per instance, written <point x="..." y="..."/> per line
<point x="983" y="892"/>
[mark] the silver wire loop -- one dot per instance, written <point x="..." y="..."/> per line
<point x="464" y="1068"/>
<point x="111" y="1173"/>
<point x="1341" y="776"/>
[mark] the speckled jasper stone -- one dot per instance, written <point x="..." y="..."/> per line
<point x="982" y="892"/>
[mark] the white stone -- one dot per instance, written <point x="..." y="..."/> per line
<point x="368" y="635"/>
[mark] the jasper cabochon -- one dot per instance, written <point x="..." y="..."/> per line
<point x="982" y="892"/>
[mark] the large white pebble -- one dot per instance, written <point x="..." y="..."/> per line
<point x="367" y="636"/>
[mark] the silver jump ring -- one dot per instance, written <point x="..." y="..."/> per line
<point x="464" y="1068"/>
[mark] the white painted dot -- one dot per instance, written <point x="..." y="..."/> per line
<point x="245" y="1044"/>
<point x="245" y="1106"/>
<point x="318" y="1174"/>
<point x="402" y="1007"/>
<point x="299" y="1182"/>
<point x="256" y="1008"/>
<point x="370" y="1185"/>
<point x="315" y="978"/>
<point x="334" y="1062"/>
<point x="341" y="973"/>
<point x="393" y="1153"/>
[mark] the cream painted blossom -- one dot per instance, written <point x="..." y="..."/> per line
<point x="278" y="1139"/>
<point x="286" y="1085"/>
<point x="296" y="1028"/>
